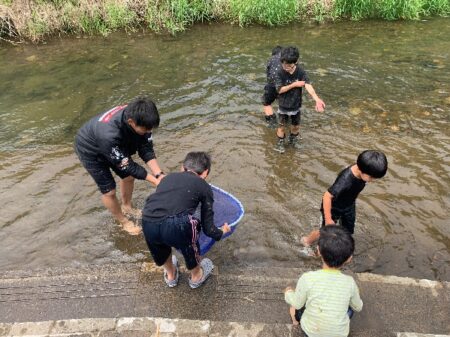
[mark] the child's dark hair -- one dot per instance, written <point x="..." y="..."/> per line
<point x="289" y="55"/>
<point x="276" y="50"/>
<point x="336" y="245"/>
<point x="143" y="112"/>
<point x="197" y="162"/>
<point x="373" y="163"/>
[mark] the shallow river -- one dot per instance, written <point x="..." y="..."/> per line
<point x="386" y="86"/>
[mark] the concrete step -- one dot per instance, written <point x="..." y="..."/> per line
<point x="159" y="327"/>
<point x="244" y="296"/>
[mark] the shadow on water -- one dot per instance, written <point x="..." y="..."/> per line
<point x="385" y="85"/>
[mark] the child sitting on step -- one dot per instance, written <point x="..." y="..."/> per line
<point x="324" y="300"/>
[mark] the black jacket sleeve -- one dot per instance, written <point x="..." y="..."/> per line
<point x="145" y="149"/>
<point x="208" y="215"/>
<point x="121" y="160"/>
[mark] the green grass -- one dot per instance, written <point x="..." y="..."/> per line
<point x="176" y="15"/>
<point x="437" y="7"/>
<point x="93" y="23"/>
<point x="354" y="9"/>
<point x="103" y="16"/>
<point x="266" y="12"/>
<point x="400" y="9"/>
<point x="119" y="16"/>
<point x="390" y="9"/>
<point x="37" y="26"/>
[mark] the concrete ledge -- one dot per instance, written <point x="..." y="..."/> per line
<point x="142" y="327"/>
<point x="404" y="281"/>
<point x="156" y="327"/>
<point x="412" y="334"/>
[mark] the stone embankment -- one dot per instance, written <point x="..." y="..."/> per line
<point x="132" y="301"/>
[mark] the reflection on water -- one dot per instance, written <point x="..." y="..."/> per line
<point x="386" y="87"/>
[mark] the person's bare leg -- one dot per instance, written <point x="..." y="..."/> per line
<point x="292" y="313"/>
<point x="126" y="193"/>
<point x="112" y="204"/>
<point x="311" y="238"/>
<point x="280" y="131"/>
<point x="196" y="274"/>
<point x="268" y="110"/>
<point x="295" y="129"/>
<point x="170" y="269"/>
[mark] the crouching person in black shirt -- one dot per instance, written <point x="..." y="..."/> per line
<point x="107" y="142"/>
<point x="168" y="220"/>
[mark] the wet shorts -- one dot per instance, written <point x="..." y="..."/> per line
<point x="283" y="119"/>
<point x="180" y="232"/>
<point x="270" y="94"/>
<point x="346" y="217"/>
<point x="100" y="171"/>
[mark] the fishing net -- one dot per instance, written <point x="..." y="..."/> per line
<point x="226" y="209"/>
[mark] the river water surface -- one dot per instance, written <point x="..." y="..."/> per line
<point x="386" y="86"/>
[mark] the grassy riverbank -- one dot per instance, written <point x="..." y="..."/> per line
<point x="37" y="19"/>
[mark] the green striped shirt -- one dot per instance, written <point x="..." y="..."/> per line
<point x="327" y="294"/>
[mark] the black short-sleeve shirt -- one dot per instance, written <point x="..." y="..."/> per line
<point x="345" y="189"/>
<point x="290" y="100"/>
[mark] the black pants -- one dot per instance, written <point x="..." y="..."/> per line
<point x="180" y="232"/>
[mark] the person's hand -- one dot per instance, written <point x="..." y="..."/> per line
<point x="288" y="289"/>
<point x="160" y="177"/>
<point x="320" y="105"/>
<point x="330" y="223"/>
<point x="300" y="84"/>
<point x="225" y="228"/>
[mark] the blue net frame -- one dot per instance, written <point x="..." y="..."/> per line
<point x="227" y="208"/>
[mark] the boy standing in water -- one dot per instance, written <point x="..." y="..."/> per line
<point x="324" y="300"/>
<point x="289" y="80"/>
<point x="168" y="220"/>
<point x="108" y="141"/>
<point x="338" y="202"/>
<point x="270" y="92"/>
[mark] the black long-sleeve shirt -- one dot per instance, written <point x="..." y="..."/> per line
<point x="108" y="137"/>
<point x="179" y="193"/>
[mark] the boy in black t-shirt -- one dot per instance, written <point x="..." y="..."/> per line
<point x="270" y="93"/>
<point x="289" y="80"/>
<point x="168" y="221"/>
<point x="338" y="202"/>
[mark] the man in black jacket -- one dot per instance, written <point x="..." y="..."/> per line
<point x="107" y="142"/>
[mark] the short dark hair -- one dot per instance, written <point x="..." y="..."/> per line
<point x="197" y="162"/>
<point x="276" y="50"/>
<point x="289" y="55"/>
<point x="143" y="112"/>
<point x="374" y="163"/>
<point x="336" y="245"/>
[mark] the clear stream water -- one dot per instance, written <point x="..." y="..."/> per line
<point x="386" y="86"/>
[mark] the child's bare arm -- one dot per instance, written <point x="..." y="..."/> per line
<point x="297" y="297"/>
<point x="355" y="301"/>
<point x="296" y="84"/>
<point x="320" y="105"/>
<point x="327" y="201"/>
